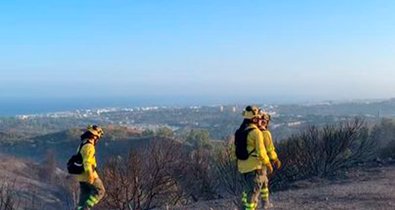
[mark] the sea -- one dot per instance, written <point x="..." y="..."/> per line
<point x="10" y="107"/>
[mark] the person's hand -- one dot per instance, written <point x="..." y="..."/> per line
<point x="269" y="168"/>
<point x="277" y="163"/>
<point x="91" y="178"/>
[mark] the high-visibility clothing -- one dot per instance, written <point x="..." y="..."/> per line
<point x="271" y="152"/>
<point x="268" y="141"/>
<point x="244" y="199"/>
<point x="247" y="205"/>
<point x="253" y="182"/>
<point x="250" y="206"/>
<point x="89" y="161"/>
<point x="258" y="157"/>
<point x="265" y="186"/>
<point x="91" y="194"/>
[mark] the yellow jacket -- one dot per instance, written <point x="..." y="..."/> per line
<point x="259" y="156"/>
<point x="89" y="162"/>
<point x="268" y="141"/>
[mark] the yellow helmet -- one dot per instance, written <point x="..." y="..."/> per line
<point x="95" y="130"/>
<point x="251" y="112"/>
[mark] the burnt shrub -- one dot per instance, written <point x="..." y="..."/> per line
<point x="323" y="151"/>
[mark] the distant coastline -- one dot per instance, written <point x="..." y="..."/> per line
<point x="10" y="107"/>
<point x="13" y="107"/>
<point x="24" y="106"/>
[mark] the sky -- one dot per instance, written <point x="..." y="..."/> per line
<point x="224" y="49"/>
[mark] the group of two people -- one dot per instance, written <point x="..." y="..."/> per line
<point x="261" y="158"/>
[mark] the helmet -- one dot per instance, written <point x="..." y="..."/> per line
<point x="265" y="116"/>
<point x="95" y="130"/>
<point x="251" y="112"/>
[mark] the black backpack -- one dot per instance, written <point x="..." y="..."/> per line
<point x="241" y="143"/>
<point x="74" y="165"/>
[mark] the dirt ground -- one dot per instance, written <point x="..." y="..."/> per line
<point x="359" y="188"/>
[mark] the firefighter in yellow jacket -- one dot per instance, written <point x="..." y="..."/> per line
<point x="271" y="153"/>
<point x="254" y="168"/>
<point x="91" y="186"/>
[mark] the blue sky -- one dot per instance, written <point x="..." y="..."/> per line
<point x="332" y="49"/>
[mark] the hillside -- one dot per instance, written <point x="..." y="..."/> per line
<point x="64" y="143"/>
<point x="194" y="171"/>
<point x="22" y="183"/>
<point x="359" y="188"/>
<point x="362" y="187"/>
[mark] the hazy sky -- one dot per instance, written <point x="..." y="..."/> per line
<point x="333" y="49"/>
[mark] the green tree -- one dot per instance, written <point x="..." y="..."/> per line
<point x="384" y="136"/>
<point x="199" y="138"/>
<point x="148" y="132"/>
<point x="164" y="132"/>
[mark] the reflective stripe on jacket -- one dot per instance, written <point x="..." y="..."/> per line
<point x="259" y="156"/>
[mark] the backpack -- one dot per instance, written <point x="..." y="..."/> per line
<point x="241" y="143"/>
<point x="74" y="165"/>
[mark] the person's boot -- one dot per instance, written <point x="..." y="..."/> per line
<point x="267" y="204"/>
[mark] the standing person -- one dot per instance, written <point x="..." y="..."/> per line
<point x="271" y="153"/>
<point x="91" y="186"/>
<point x="256" y="161"/>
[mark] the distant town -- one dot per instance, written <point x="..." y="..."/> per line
<point x="220" y="120"/>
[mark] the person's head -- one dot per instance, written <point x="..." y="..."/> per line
<point x="251" y="114"/>
<point x="265" y="119"/>
<point x="93" y="132"/>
